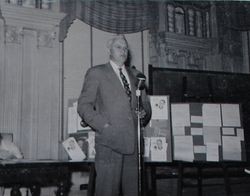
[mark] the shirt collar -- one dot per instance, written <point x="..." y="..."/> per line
<point x="115" y="66"/>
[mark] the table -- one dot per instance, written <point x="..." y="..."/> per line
<point x="35" y="174"/>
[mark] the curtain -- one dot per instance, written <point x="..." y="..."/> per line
<point x="69" y="7"/>
<point x="115" y="16"/>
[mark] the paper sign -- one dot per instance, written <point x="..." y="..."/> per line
<point x="73" y="149"/>
<point x="159" y="105"/>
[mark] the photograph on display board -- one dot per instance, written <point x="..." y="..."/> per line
<point x="73" y="149"/>
<point x="86" y="141"/>
<point x="157" y="134"/>
<point x="83" y="134"/>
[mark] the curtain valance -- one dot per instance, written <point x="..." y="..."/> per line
<point x="115" y="16"/>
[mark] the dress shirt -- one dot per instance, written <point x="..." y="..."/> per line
<point x="117" y="72"/>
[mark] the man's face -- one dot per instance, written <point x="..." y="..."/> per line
<point x="119" y="51"/>
<point x="159" y="143"/>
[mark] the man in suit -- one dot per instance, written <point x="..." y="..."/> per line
<point x="108" y="104"/>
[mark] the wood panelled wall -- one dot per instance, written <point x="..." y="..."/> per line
<point x="192" y="35"/>
<point x="31" y="79"/>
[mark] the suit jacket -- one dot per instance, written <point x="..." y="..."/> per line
<point x="103" y="100"/>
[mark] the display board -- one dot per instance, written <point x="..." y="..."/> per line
<point x="86" y="141"/>
<point x="184" y="85"/>
<point x="157" y="134"/>
<point x="74" y="122"/>
<point x="207" y="132"/>
<point x="84" y="136"/>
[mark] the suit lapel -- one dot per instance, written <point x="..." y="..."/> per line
<point x="115" y="81"/>
<point x="117" y="85"/>
<point x="111" y="75"/>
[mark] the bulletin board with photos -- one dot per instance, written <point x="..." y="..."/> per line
<point x="207" y="132"/>
<point x="157" y="134"/>
<point x="86" y="141"/>
<point x="80" y="143"/>
<point x="187" y="85"/>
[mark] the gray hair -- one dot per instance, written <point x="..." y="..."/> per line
<point x="113" y="39"/>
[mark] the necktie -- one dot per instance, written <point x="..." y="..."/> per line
<point x="125" y="84"/>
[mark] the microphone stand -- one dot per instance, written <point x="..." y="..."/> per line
<point x="140" y="154"/>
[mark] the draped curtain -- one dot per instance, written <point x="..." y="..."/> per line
<point x="129" y="16"/>
<point x="115" y="16"/>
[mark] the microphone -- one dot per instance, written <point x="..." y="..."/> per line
<point x="140" y="81"/>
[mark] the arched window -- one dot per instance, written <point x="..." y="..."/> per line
<point x="179" y="20"/>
